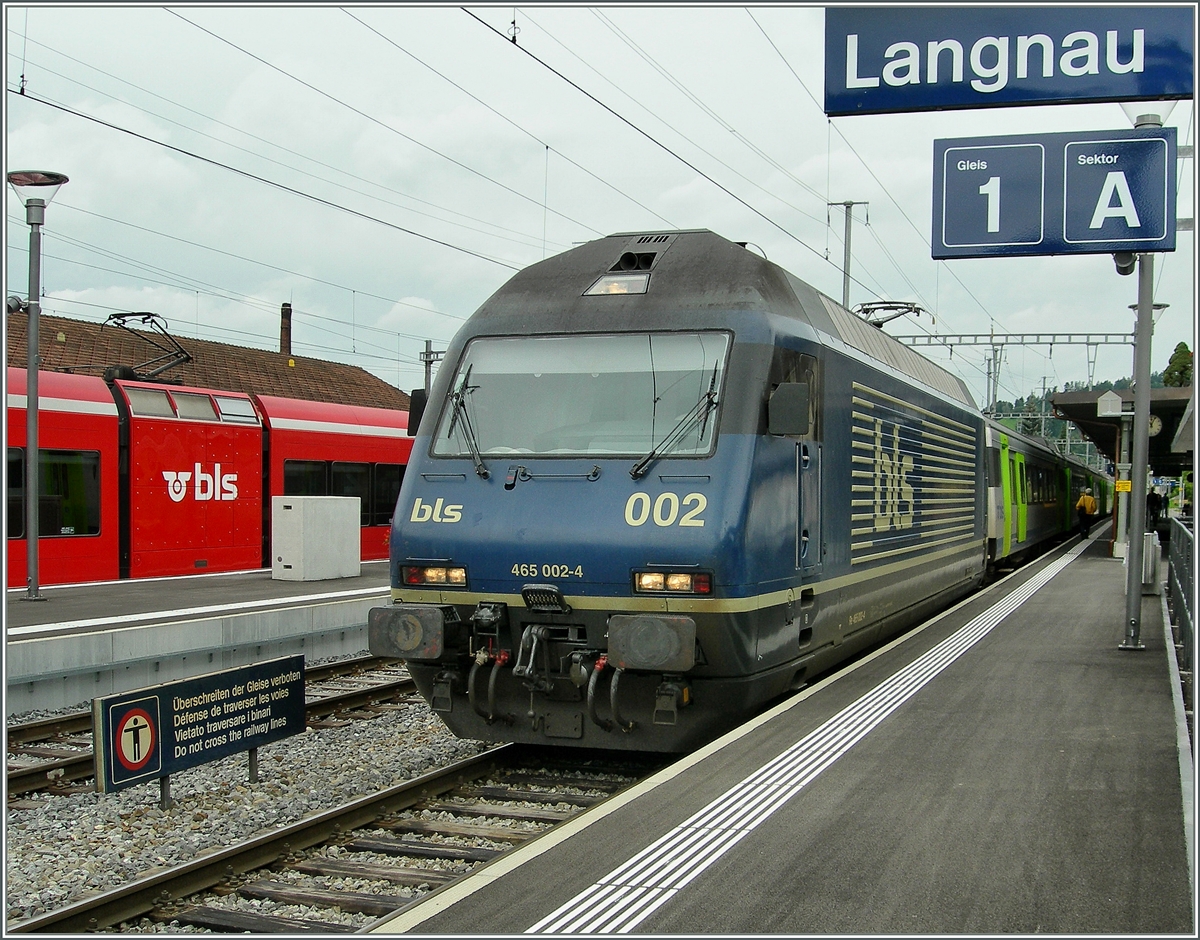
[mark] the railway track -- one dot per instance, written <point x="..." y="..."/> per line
<point x="57" y="751"/>
<point x="400" y="843"/>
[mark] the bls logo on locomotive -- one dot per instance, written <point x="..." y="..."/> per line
<point x="438" y="511"/>
<point x="890" y="486"/>
<point x="216" y="485"/>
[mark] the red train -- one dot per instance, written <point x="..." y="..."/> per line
<point x="140" y="479"/>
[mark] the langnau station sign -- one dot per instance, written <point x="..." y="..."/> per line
<point x="899" y="58"/>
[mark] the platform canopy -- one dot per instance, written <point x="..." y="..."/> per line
<point x="1168" y="404"/>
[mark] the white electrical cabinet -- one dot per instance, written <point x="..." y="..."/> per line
<point x="315" y="538"/>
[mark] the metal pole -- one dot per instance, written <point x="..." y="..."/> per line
<point x="35" y="215"/>
<point x="428" y="357"/>
<point x="994" y="378"/>
<point x="1141" y="453"/>
<point x="846" y="257"/>
<point x="1121" y="548"/>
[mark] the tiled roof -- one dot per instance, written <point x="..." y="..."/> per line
<point x="88" y="349"/>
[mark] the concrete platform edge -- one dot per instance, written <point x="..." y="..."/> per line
<point x="439" y="900"/>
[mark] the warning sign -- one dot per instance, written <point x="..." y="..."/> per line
<point x="149" y="733"/>
<point x="132" y="741"/>
<point x="135" y="737"/>
<point x="1123" y="486"/>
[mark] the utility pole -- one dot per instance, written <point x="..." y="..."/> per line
<point x="994" y="376"/>
<point x="849" y="205"/>
<point x="1141" y="454"/>
<point x="1042" y="407"/>
<point x="1141" y="438"/>
<point x="429" y="357"/>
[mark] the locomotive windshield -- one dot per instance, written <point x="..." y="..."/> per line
<point x="619" y="394"/>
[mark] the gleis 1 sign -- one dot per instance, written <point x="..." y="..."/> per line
<point x="1082" y="192"/>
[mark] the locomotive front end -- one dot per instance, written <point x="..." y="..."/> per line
<point x="553" y="554"/>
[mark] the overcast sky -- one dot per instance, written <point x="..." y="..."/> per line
<point x="463" y="159"/>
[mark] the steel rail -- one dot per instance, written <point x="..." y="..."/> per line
<point x="142" y="895"/>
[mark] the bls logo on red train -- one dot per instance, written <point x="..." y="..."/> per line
<point x="216" y="485"/>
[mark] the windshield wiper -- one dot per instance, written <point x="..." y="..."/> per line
<point x="698" y="413"/>
<point x="458" y="412"/>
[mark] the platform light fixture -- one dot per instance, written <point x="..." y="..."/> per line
<point x="35" y="189"/>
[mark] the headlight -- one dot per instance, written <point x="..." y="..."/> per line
<point x="672" y="582"/>
<point x="434" y="575"/>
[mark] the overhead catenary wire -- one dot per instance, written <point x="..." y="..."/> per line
<point x="877" y="290"/>
<point x="865" y="165"/>
<point x="695" y="99"/>
<point x="265" y="264"/>
<point x="886" y="191"/>
<point x="668" y="150"/>
<point x="187" y="283"/>
<point x="375" y="120"/>
<point x="621" y="192"/>
<point x="262" y="179"/>
<point x="701" y="103"/>
<point x="691" y="166"/>
<point x="708" y="153"/>
<point x="529" y="239"/>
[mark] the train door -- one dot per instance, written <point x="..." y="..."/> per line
<point x="1020" y="496"/>
<point x="808" y="519"/>
<point x="1008" y="523"/>
<point x="194" y="480"/>
<point x="1015" y="497"/>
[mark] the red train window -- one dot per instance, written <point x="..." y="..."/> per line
<point x="239" y="410"/>
<point x="151" y="402"/>
<point x="197" y="407"/>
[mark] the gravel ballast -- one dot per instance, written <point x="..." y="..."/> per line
<point x="60" y="848"/>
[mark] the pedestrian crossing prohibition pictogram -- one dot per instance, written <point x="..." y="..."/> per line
<point x="135" y="739"/>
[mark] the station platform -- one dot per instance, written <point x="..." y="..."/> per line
<point x="89" y="640"/>
<point x="1003" y="769"/>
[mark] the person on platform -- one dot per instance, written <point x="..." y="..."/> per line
<point x="1153" y="510"/>
<point x="1085" y="509"/>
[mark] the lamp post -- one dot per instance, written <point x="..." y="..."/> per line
<point x="1141" y="419"/>
<point x="35" y="189"/>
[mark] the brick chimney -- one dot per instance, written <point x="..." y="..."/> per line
<point x="285" y="329"/>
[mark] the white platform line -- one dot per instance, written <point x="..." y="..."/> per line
<point x="670" y="863"/>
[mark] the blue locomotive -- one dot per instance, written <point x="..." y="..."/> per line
<point x="660" y="481"/>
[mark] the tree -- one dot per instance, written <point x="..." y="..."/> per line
<point x="1178" y="372"/>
